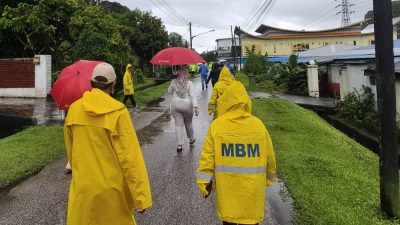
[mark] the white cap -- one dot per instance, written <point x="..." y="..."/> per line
<point x="104" y="70"/>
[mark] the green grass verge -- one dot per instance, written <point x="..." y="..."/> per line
<point x="150" y="93"/>
<point x="332" y="179"/>
<point x="264" y="86"/>
<point x="27" y="152"/>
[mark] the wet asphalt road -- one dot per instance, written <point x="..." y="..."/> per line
<point x="42" y="199"/>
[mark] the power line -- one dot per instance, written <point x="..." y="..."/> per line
<point x="256" y="15"/>
<point x="173" y="11"/>
<point x="155" y="3"/>
<point x="256" y="6"/>
<point x="320" y="12"/>
<point x="265" y="12"/>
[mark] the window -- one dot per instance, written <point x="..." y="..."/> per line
<point x="300" y="47"/>
<point x="372" y="42"/>
<point x="372" y="80"/>
<point x="354" y="42"/>
<point x="274" y="48"/>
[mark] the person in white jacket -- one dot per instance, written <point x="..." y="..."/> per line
<point x="184" y="104"/>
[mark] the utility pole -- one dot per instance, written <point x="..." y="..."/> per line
<point x="235" y="52"/>
<point x="232" y="50"/>
<point x="190" y="31"/>
<point x="386" y="95"/>
<point x="345" y="12"/>
<point x="241" y="50"/>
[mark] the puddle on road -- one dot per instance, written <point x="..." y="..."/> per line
<point x="147" y="134"/>
<point x="280" y="203"/>
<point x="155" y="103"/>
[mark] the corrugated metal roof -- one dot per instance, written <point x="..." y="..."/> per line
<point x="370" y="28"/>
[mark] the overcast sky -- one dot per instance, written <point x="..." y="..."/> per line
<point x="221" y="14"/>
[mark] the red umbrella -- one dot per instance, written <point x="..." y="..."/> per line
<point x="72" y="82"/>
<point x="176" y="56"/>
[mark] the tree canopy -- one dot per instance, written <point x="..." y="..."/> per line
<point x="80" y="29"/>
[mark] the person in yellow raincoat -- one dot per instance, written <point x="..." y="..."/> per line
<point x="109" y="177"/>
<point x="128" y="86"/>
<point x="225" y="79"/>
<point x="239" y="156"/>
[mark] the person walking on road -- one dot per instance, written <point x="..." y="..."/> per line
<point x="229" y="65"/>
<point x="238" y="155"/>
<point x="109" y="178"/>
<point x="184" y="102"/>
<point x="225" y="79"/>
<point x="214" y="73"/>
<point x="203" y="71"/>
<point x="128" y="86"/>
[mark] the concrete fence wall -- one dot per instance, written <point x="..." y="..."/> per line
<point x="25" y="77"/>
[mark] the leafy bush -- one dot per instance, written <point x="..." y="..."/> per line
<point x="256" y="63"/>
<point x="359" y="106"/>
<point x="291" y="75"/>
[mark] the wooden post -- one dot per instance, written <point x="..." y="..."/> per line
<point x="386" y="95"/>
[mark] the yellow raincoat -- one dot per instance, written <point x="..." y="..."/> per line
<point x="128" y="83"/>
<point x="225" y="79"/>
<point x="109" y="176"/>
<point x="238" y="154"/>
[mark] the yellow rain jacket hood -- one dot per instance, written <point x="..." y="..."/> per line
<point x="109" y="177"/>
<point x="238" y="154"/>
<point x="225" y="79"/>
<point x="128" y="83"/>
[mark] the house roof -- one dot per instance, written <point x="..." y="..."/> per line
<point x="370" y="28"/>
<point x="359" y="53"/>
<point x="271" y="32"/>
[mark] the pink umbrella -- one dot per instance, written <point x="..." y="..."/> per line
<point x="176" y="56"/>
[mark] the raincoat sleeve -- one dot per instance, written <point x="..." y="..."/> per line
<point x="132" y="163"/>
<point x="271" y="165"/>
<point x="205" y="171"/>
<point x="213" y="100"/>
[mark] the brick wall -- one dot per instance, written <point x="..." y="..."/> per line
<point x="17" y="73"/>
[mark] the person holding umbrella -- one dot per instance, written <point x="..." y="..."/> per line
<point x="184" y="102"/>
<point x="128" y="86"/>
<point x="109" y="178"/>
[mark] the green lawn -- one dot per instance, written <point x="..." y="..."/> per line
<point x="27" y="152"/>
<point x="152" y="93"/>
<point x="332" y="179"/>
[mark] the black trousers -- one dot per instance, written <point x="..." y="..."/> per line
<point x="227" y="223"/>
<point x="130" y="98"/>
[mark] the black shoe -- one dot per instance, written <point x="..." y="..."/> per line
<point x="192" y="141"/>
<point x="179" y="149"/>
